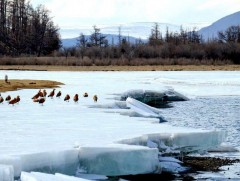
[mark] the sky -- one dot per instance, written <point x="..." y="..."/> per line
<point x="80" y="13"/>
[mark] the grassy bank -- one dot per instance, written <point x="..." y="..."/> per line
<point x="122" y="64"/>
<point x="122" y="68"/>
<point x="13" y="85"/>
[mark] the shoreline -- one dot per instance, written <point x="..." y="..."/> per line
<point x="123" y="68"/>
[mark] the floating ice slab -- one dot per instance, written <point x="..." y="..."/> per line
<point x="119" y="160"/>
<point x="143" y="109"/>
<point x="185" y="142"/>
<point x="153" y="97"/>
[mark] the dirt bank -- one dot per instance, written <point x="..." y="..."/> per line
<point x="14" y="84"/>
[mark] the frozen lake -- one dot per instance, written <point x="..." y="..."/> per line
<point x="30" y="128"/>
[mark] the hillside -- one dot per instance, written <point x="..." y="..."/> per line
<point x="132" y="30"/>
<point x="211" y="31"/>
<point x="112" y="39"/>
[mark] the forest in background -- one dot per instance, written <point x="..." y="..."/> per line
<point x="25" y="30"/>
<point x="183" y="47"/>
<point x="30" y="32"/>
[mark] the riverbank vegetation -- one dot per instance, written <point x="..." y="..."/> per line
<point x="173" y="48"/>
<point x="27" y="32"/>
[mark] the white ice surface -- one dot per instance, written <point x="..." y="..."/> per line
<point x="37" y="176"/>
<point x="30" y="132"/>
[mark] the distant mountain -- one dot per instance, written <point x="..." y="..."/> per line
<point x="138" y="30"/>
<point x="211" y="31"/>
<point x="132" y="30"/>
<point x="143" y="29"/>
<point x="112" y="39"/>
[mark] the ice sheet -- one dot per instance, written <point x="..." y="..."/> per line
<point x="29" y="130"/>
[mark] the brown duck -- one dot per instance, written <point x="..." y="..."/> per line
<point x="75" y="98"/>
<point x="67" y="98"/>
<point x="52" y="93"/>
<point x="95" y="98"/>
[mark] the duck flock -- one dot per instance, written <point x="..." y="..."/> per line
<point x="40" y="97"/>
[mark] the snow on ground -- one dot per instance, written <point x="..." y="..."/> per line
<point x="58" y="136"/>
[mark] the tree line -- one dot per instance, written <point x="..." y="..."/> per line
<point x="25" y="30"/>
<point x="171" y="45"/>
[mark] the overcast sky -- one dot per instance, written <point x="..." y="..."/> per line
<point x="75" y="13"/>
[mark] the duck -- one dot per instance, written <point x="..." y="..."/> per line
<point x="59" y="94"/>
<point x="95" y="98"/>
<point x="13" y="101"/>
<point x="1" y="99"/>
<point x="8" y="98"/>
<point x="85" y="94"/>
<point x="75" y="98"/>
<point x="35" y="100"/>
<point x="40" y="93"/>
<point x="44" y="93"/>
<point x="17" y="99"/>
<point x="52" y="93"/>
<point x="41" y="100"/>
<point x="67" y="97"/>
<point x="36" y="96"/>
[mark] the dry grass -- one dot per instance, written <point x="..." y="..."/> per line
<point x="124" y="68"/>
<point x="122" y="64"/>
<point x="13" y="85"/>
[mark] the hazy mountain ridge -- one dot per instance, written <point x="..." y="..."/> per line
<point x="134" y="31"/>
<point x="222" y="24"/>
<point x="131" y="31"/>
<point x="112" y="39"/>
<point x="138" y="30"/>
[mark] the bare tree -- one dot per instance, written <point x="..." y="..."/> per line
<point x="82" y="44"/>
<point x="155" y="38"/>
<point x="232" y="34"/>
<point x="97" y="39"/>
<point x="25" y="30"/>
